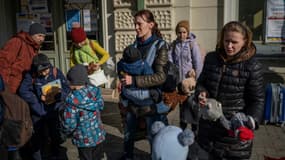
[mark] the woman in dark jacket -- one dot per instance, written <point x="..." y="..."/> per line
<point x="44" y="110"/>
<point x="233" y="76"/>
<point x="148" y="41"/>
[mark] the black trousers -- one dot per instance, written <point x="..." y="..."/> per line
<point x="91" y="153"/>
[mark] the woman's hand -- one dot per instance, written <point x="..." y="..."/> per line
<point x="96" y="66"/>
<point x="127" y="80"/>
<point x="92" y="67"/>
<point x="202" y="99"/>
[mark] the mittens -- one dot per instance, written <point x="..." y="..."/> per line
<point x="245" y="134"/>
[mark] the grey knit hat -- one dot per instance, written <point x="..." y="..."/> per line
<point x="37" y="28"/>
<point x="40" y="62"/>
<point x="78" y="75"/>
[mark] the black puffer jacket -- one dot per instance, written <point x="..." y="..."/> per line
<point x="237" y="82"/>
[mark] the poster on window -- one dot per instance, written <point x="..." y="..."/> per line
<point x="275" y="21"/>
<point x="71" y="16"/>
<point x="87" y="20"/>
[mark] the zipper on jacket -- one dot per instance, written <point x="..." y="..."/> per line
<point x="223" y="70"/>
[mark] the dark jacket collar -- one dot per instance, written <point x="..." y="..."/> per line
<point x="243" y="55"/>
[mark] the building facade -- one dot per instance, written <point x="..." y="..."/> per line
<point x="111" y="23"/>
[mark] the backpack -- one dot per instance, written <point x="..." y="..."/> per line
<point x="203" y="52"/>
<point x="171" y="70"/>
<point x="17" y="127"/>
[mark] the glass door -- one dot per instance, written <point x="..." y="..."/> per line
<point x="57" y="17"/>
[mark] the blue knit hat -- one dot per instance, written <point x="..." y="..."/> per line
<point x="170" y="142"/>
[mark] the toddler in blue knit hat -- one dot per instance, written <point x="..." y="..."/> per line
<point x="170" y="142"/>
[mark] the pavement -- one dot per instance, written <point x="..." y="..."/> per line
<point x="269" y="139"/>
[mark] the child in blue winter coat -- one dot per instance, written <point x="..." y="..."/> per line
<point x="133" y="64"/>
<point x="44" y="104"/>
<point x="82" y="115"/>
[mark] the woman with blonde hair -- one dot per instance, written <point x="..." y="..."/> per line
<point x="233" y="76"/>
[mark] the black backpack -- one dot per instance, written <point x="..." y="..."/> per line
<point x="172" y="78"/>
<point x="171" y="70"/>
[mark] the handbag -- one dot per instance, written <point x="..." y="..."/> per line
<point x="98" y="78"/>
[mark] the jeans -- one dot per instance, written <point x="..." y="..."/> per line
<point x="140" y="97"/>
<point x="130" y="130"/>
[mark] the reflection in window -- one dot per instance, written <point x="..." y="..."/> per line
<point x="48" y="43"/>
<point x="251" y="12"/>
<point x="87" y="14"/>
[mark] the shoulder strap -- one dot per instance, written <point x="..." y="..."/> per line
<point x="72" y="63"/>
<point x="92" y="46"/>
<point x="173" y="48"/>
<point x="54" y="72"/>
<point x="150" y="56"/>
<point x="191" y="49"/>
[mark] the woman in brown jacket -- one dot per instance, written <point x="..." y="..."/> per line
<point x="148" y="42"/>
<point x="17" y="54"/>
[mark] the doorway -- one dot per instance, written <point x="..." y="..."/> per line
<point x="56" y="17"/>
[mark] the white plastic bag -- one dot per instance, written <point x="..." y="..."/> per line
<point x="98" y="78"/>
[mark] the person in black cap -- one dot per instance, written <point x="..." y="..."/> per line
<point x="133" y="64"/>
<point x="44" y="88"/>
<point x="17" y="54"/>
<point x="82" y="114"/>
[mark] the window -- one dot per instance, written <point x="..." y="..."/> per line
<point x="251" y="12"/>
<point x="86" y="13"/>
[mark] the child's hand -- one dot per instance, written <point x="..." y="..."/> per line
<point x="126" y="80"/>
<point x="202" y="99"/>
<point x="43" y="98"/>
